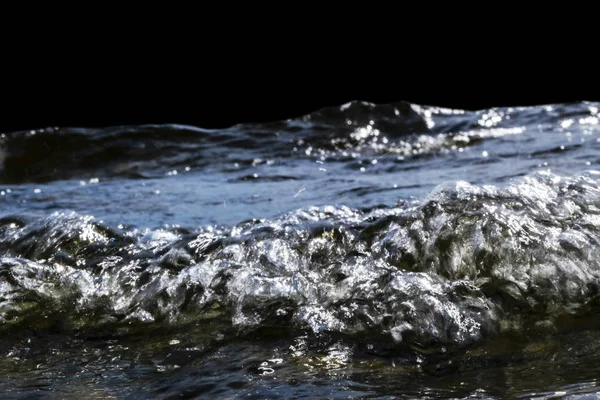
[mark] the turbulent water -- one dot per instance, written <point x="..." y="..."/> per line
<point x="362" y="251"/>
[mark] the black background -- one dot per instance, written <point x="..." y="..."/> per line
<point x="212" y="83"/>
<point x="213" y="99"/>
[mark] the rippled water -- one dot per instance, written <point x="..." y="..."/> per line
<point x="363" y="251"/>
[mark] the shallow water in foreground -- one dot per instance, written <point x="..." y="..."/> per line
<point x="362" y="251"/>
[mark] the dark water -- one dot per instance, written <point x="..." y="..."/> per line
<point x="362" y="251"/>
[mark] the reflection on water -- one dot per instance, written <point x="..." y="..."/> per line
<point x="175" y="365"/>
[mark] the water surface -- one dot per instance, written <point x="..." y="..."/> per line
<point x="362" y="251"/>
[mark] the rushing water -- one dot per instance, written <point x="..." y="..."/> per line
<point x="362" y="251"/>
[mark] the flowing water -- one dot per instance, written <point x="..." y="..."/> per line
<point x="362" y="251"/>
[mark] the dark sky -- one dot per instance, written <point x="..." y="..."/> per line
<point x="196" y="68"/>
<point x="219" y="92"/>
